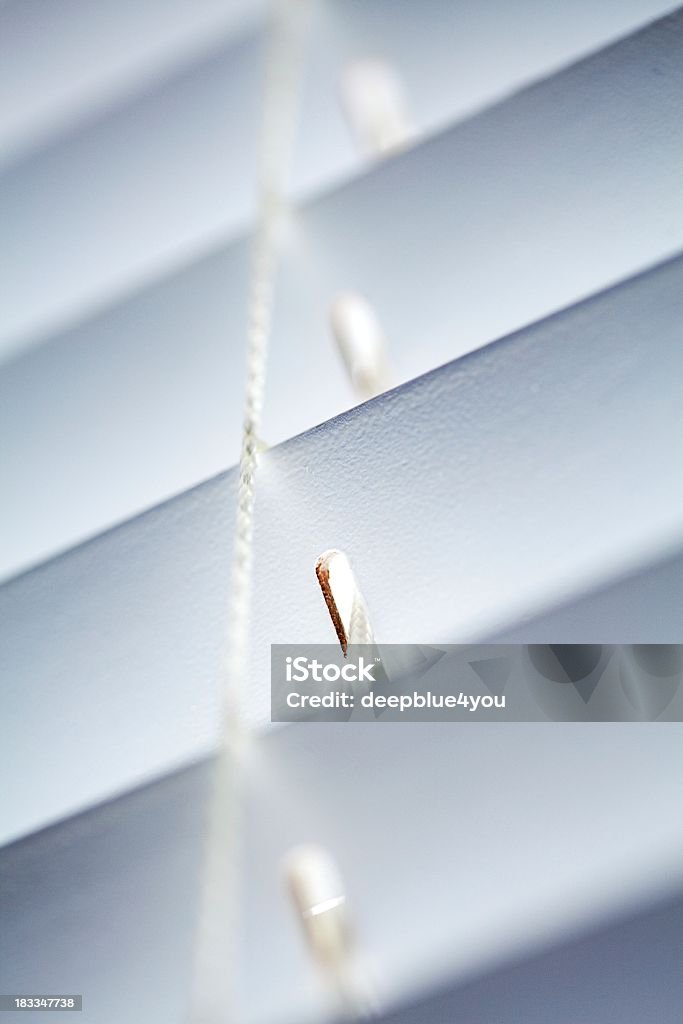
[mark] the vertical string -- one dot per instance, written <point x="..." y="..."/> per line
<point x="219" y="929"/>
<point x="282" y="86"/>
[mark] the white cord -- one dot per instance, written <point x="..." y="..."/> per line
<point x="360" y="630"/>
<point x="361" y="343"/>
<point x="373" y="97"/>
<point x="319" y="898"/>
<point x="219" y="927"/>
<point x="344" y="600"/>
<point x="283" y="72"/>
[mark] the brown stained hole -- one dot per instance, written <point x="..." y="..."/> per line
<point x="322" y="572"/>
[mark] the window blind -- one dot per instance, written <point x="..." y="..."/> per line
<point x="518" y="484"/>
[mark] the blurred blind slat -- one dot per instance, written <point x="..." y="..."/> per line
<point x="465" y="834"/>
<point x="66" y="63"/>
<point x="168" y="170"/>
